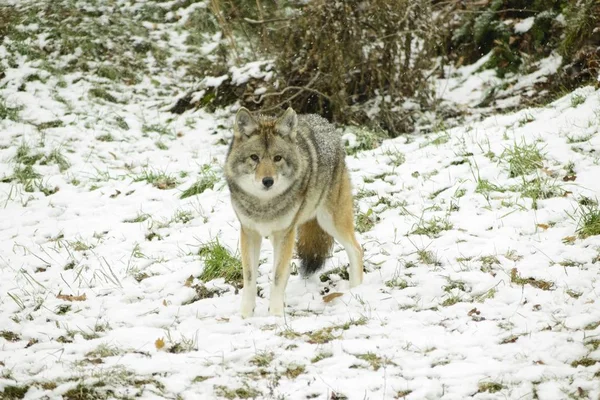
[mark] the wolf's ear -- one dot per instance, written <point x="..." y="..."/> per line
<point x="286" y="124"/>
<point x="245" y="124"/>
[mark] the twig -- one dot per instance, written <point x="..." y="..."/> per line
<point x="266" y="21"/>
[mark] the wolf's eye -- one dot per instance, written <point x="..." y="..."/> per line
<point x="277" y="158"/>
<point x="254" y="157"/>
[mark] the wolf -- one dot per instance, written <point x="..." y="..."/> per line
<point x="287" y="178"/>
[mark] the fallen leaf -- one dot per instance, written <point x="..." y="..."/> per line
<point x="543" y="226"/>
<point x="165" y="303"/>
<point x="189" y="281"/>
<point x="548" y="172"/>
<point x="70" y="297"/>
<point x="473" y="312"/>
<point x="569" y="239"/>
<point x="223" y="319"/>
<point x="117" y="192"/>
<point x="159" y="343"/>
<point x="569" y="178"/>
<point x="332" y="296"/>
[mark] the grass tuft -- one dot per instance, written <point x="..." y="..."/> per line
<point x="490" y="387"/>
<point x="158" y="179"/>
<point x="14" y="392"/>
<point x="263" y="359"/>
<point x="589" y="220"/>
<point x="206" y="181"/>
<point x="432" y="228"/>
<point x="523" y="159"/>
<point x="219" y="262"/>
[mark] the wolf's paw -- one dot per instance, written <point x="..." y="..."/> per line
<point x="247" y="310"/>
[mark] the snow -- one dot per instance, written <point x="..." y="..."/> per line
<point x="524" y="25"/>
<point x="456" y="323"/>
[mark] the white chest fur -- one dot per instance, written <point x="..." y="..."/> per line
<point x="267" y="228"/>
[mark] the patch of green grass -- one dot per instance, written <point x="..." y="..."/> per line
<point x="207" y="180"/>
<point x="490" y="387"/>
<point x="83" y="392"/>
<point x="160" y="145"/>
<point x="455" y="285"/>
<point x="103" y="350"/>
<point x="25" y="156"/>
<point x="292" y="371"/>
<point x="158" y="128"/>
<point x="526" y="119"/>
<point x="374" y="360"/>
<point x="201" y="378"/>
<point x="322" y="336"/>
<point x="50" y="124"/>
<point x="441" y="139"/>
<point x="432" y="228"/>
<point x="121" y="123"/>
<point x="342" y="272"/>
<point x="56" y="157"/>
<point x="244" y="392"/>
<point x="579" y="139"/>
<point x="365" y="140"/>
<point x="577" y="100"/>
<point x="487" y="262"/>
<point x="365" y="221"/>
<point x="589" y="221"/>
<point x="103" y="94"/>
<point x="6" y="112"/>
<point x="14" y="392"/>
<point x="182" y="216"/>
<point x="428" y="257"/>
<point x="219" y="262"/>
<point x="141" y="217"/>
<point x="396" y="158"/>
<point x="523" y="159"/>
<point x="107" y="137"/>
<point x="321" y="356"/>
<point x="537" y="283"/>
<point x="397" y="283"/>
<point x="10" y="336"/>
<point x="485" y="187"/>
<point x="584" y="362"/>
<point x="262" y="359"/>
<point x="451" y="300"/>
<point x="364" y="193"/>
<point x="108" y="72"/>
<point x="158" y="179"/>
<point x="539" y="188"/>
<point x="80" y="245"/>
<point x="326" y="335"/>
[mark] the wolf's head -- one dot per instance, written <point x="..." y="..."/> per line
<point x="263" y="159"/>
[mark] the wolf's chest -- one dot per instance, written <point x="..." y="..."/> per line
<point x="266" y="226"/>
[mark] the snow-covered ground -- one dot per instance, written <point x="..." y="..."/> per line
<point x="479" y="284"/>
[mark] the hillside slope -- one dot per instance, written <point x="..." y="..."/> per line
<point x="481" y="249"/>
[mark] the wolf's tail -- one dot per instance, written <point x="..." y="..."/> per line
<point x="313" y="247"/>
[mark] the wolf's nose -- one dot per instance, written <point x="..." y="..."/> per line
<point x="268" y="181"/>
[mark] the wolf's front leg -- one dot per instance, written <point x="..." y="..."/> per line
<point x="250" y="243"/>
<point x="283" y="245"/>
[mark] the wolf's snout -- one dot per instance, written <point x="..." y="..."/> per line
<point x="268" y="181"/>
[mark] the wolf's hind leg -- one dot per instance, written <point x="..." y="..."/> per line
<point x="250" y="243"/>
<point x="283" y="245"/>
<point x="336" y="217"/>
